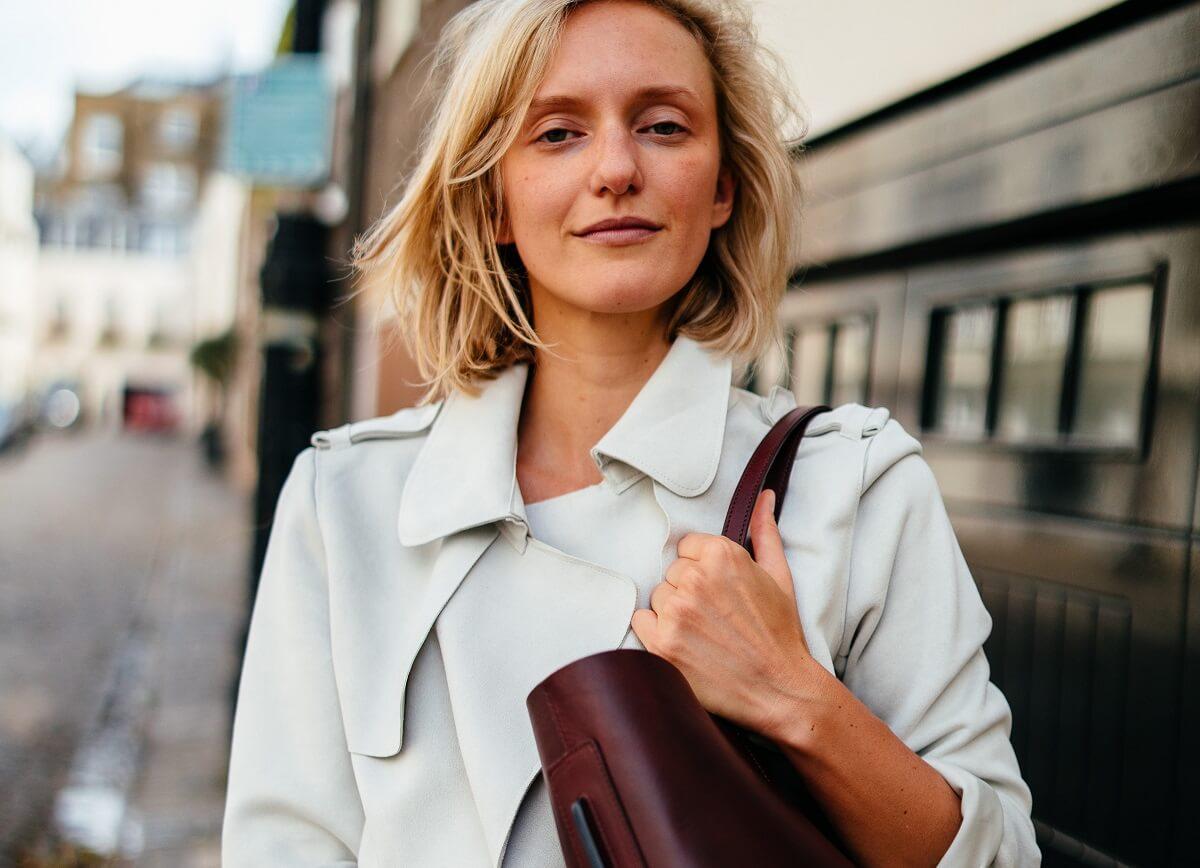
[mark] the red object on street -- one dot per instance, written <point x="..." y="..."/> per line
<point x="150" y="410"/>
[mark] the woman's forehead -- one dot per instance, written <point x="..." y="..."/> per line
<point x="623" y="49"/>
<point x="568" y="100"/>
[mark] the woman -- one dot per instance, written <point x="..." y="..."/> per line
<point x="600" y="227"/>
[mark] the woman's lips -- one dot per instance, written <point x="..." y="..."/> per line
<point x="620" y="237"/>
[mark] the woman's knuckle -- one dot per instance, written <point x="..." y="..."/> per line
<point x="669" y="641"/>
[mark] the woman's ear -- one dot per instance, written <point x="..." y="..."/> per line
<point x="723" y="201"/>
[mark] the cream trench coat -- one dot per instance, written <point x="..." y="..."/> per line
<point x="404" y="614"/>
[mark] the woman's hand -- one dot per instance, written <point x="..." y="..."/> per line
<point x="729" y="622"/>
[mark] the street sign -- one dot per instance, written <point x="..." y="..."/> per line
<point x="278" y="124"/>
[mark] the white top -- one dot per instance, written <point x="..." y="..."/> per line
<point x="624" y="533"/>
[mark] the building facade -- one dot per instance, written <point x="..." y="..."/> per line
<point x="139" y="245"/>
<point x="18" y="297"/>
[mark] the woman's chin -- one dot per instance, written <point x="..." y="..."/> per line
<point x="610" y="293"/>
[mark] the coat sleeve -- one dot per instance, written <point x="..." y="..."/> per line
<point x="915" y="631"/>
<point x="292" y="799"/>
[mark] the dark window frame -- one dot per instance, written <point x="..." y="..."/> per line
<point x="1066" y="443"/>
<point x="829" y="325"/>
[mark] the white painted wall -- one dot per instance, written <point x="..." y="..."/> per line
<point x="395" y="28"/>
<point x="134" y="294"/>
<point x="216" y="253"/>
<point x="849" y="58"/>
<point x="18" y="259"/>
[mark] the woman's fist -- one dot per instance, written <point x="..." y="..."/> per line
<point x="729" y="622"/>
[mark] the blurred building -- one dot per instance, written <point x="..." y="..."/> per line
<point x="138" y="242"/>
<point x="391" y="107"/>
<point x="1008" y="258"/>
<point x="18" y="297"/>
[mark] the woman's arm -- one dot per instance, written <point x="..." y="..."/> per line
<point x="292" y="799"/>
<point x="917" y="734"/>
<point x="911" y="753"/>
<point x="889" y="806"/>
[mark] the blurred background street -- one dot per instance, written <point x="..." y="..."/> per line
<point x="118" y="643"/>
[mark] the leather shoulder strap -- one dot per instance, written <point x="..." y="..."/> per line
<point x="769" y="467"/>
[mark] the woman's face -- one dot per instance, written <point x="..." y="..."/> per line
<point x="624" y="125"/>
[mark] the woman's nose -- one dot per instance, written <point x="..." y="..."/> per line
<point x="617" y="168"/>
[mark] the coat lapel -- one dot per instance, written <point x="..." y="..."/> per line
<point x="465" y="474"/>
<point x="509" y="610"/>
<point x="519" y="617"/>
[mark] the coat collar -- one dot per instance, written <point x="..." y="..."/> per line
<point x="465" y="474"/>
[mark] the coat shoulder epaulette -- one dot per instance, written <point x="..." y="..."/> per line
<point x="407" y="422"/>
<point x="852" y="421"/>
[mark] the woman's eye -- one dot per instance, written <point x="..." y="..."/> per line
<point x="660" y="132"/>
<point x="559" y="135"/>
<point x="551" y="133"/>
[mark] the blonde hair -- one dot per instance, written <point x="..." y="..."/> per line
<point x="461" y="298"/>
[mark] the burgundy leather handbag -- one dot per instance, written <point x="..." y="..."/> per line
<point x="640" y="775"/>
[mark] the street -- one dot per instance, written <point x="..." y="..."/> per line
<point x="122" y="592"/>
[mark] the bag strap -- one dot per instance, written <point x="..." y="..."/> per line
<point x="769" y="467"/>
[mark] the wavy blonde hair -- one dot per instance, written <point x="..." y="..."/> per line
<point x="461" y="299"/>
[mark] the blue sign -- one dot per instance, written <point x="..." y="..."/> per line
<point x="278" y="124"/>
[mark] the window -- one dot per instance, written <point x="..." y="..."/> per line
<point x="1036" y="340"/>
<point x="966" y="363"/>
<point x="178" y="128"/>
<point x="1070" y="367"/>
<point x="110" y="331"/>
<point x="58" y="324"/>
<point x="162" y="238"/>
<point x="1115" y="365"/>
<point x="829" y="363"/>
<point x="771" y="369"/>
<point x="102" y="145"/>
<point x="168" y="186"/>
<point x="52" y="229"/>
<point x="851" y="357"/>
<point x="810" y="363"/>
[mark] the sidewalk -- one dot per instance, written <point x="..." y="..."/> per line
<point x="195" y="621"/>
<point x="125" y="564"/>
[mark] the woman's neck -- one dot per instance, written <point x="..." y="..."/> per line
<point x="573" y="399"/>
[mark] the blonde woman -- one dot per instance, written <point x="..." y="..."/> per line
<point x="597" y="235"/>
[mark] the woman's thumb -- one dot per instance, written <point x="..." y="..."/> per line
<point x="768" y="545"/>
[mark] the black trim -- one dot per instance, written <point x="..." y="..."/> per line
<point x="1161" y="207"/>
<point x="935" y="353"/>
<point x="1000" y="308"/>
<point x="831" y="333"/>
<point x="1158" y="302"/>
<point x="1068" y="403"/>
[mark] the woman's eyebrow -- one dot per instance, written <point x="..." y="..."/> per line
<point x="645" y="94"/>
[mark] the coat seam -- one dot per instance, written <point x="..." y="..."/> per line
<point x="843" y="649"/>
<point x="325" y="572"/>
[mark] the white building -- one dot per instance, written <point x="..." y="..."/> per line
<point x="139" y="257"/>
<point x="112" y="319"/>
<point x="18" y="258"/>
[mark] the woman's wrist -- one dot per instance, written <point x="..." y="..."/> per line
<point x="803" y="707"/>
